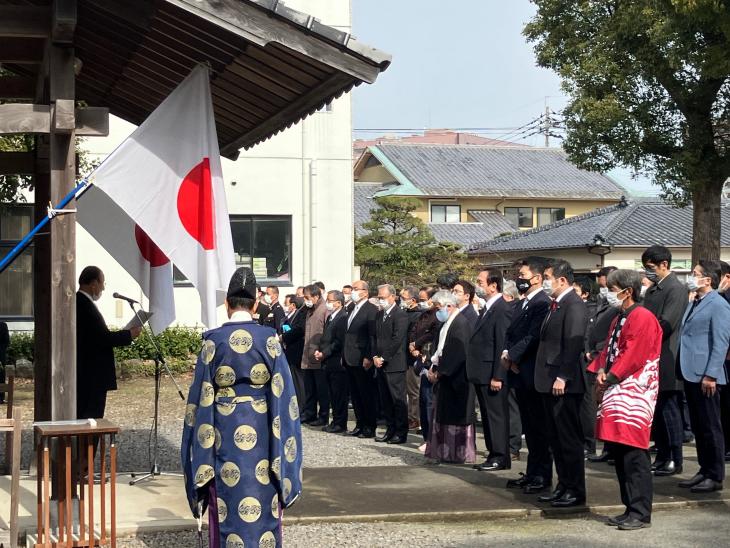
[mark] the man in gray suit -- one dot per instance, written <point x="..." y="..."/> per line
<point x="703" y="345"/>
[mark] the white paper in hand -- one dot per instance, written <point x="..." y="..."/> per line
<point x="135" y="321"/>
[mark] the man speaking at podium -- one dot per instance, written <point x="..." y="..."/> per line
<point x="95" y="370"/>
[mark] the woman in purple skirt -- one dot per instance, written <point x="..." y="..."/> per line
<point x="451" y="437"/>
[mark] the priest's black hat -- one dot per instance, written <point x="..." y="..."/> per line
<point x="243" y="284"/>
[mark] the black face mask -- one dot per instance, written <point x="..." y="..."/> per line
<point x="523" y="285"/>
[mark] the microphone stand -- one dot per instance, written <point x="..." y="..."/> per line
<point x="159" y="361"/>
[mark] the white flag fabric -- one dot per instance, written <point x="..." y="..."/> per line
<point x="167" y="177"/>
<point x="133" y="250"/>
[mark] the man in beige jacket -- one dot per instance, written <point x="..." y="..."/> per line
<point x="317" y="401"/>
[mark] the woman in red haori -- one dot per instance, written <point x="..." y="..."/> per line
<point x="627" y="384"/>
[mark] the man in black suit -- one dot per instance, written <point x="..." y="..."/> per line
<point x="261" y="309"/>
<point x="409" y="303"/>
<point x="464" y="293"/>
<point x="391" y="332"/>
<point x="291" y="332"/>
<point x="358" y="354"/>
<point x="276" y="311"/>
<point x="560" y="379"/>
<point x="95" y="366"/>
<point x="520" y="349"/>
<point x="484" y="369"/>
<point x="349" y="303"/>
<point x="330" y="354"/>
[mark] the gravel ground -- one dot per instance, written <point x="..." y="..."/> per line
<point x="686" y="527"/>
<point x="131" y="407"/>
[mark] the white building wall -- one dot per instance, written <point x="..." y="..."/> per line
<point x="305" y="172"/>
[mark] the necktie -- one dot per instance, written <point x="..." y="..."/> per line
<point x="524" y="303"/>
<point x="694" y="305"/>
<point x="553" y="306"/>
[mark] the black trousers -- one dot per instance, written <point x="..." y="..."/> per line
<point x="339" y="391"/>
<point x="364" y="393"/>
<point x="297" y="375"/>
<point x="532" y="415"/>
<point x="494" y="409"/>
<point x="515" y="423"/>
<point x="565" y="436"/>
<point x="91" y="405"/>
<point x="317" y="404"/>
<point x="633" y="469"/>
<point x="725" y="414"/>
<point x="393" y="403"/>
<point x="704" y="414"/>
<point x="668" y="428"/>
<point x="588" y="411"/>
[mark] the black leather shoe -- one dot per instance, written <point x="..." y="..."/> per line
<point x="555" y="495"/>
<point x="318" y="422"/>
<point x="308" y="420"/>
<point x="333" y="429"/>
<point x="385" y="437"/>
<point x="395" y="440"/>
<point x="632" y="524"/>
<point x="658" y="464"/>
<point x="727" y="456"/>
<point x="603" y="457"/>
<point x="688" y="437"/>
<point x="490" y="466"/>
<point x="366" y="433"/>
<point x="617" y="520"/>
<point x="518" y="483"/>
<point x="691" y="482"/>
<point x="668" y="469"/>
<point x="536" y="486"/>
<point x="707" y="485"/>
<point x="567" y="500"/>
<point x="355" y="432"/>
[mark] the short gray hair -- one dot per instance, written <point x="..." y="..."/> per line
<point x="623" y="278"/>
<point x="337" y="295"/>
<point x="444" y="298"/>
<point x="412" y="291"/>
<point x="389" y="287"/>
<point x="510" y="288"/>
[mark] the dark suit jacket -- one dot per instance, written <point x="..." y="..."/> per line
<point x="470" y="315"/>
<point x="523" y="335"/>
<point x="561" y="346"/>
<point x="360" y="336"/>
<point x="275" y="316"/>
<point x="391" y="334"/>
<point x="95" y="348"/>
<point x="333" y="341"/>
<point x="487" y="343"/>
<point x="597" y="331"/>
<point x="262" y="310"/>
<point x="455" y="396"/>
<point x="668" y="302"/>
<point x="294" y="338"/>
<point x="349" y="306"/>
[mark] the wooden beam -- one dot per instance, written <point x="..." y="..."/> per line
<point x="24" y="22"/>
<point x="64" y="21"/>
<point x="63" y="116"/>
<point x="17" y="163"/>
<point x="92" y="122"/>
<point x="16" y="88"/>
<point x="27" y="118"/>
<point x="19" y="51"/>
<point x="23" y="118"/>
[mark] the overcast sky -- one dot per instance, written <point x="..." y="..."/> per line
<point x="455" y="65"/>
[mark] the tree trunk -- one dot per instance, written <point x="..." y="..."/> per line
<point x="706" y="222"/>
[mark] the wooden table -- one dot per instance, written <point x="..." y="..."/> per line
<point x="58" y="443"/>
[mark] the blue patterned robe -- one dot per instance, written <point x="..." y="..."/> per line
<point x="242" y="435"/>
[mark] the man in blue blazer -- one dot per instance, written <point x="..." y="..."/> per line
<point x="703" y="345"/>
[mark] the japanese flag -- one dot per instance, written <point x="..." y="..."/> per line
<point x="133" y="250"/>
<point x="167" y="178"/>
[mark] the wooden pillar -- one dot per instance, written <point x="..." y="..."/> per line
<point x="61" y="85"/>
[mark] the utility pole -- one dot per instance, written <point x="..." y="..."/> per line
<point x="548" y="124"/>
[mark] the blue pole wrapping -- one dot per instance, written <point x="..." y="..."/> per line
<point x="18" y="249"/>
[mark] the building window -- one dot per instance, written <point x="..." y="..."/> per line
<point x="16" y="282"/>
<point x="445" y="214"/>
<point x="519" y="216"/>
<point x="547" y="215"/>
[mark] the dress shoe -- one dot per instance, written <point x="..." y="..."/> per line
<point x="691" y="482"/>
<point x="366" y="433"/>
<point x="515" y="456"/>
<point x="632" y="524"/>
<point x="668" y="469"/>
<point x="555" y="495"/>
<point x="688" y="437"/>
<point x="518" y="483"/>
<point x="535" y="486"/>
<point x="333" y="429"/>
<point x="567" y="500"/>
<point x="617" y="520"/>
<point x="308" y="420"/>
<point x="727" y="456"/>
<point x="707" y="485"/>
<point x="396" y="440"/>
<point x="603" y="457"/>
<point x="490" y="466"/>
<point x="385" y="437"/>
<point x="318" y="422"/>
<point x="355" y="432"/>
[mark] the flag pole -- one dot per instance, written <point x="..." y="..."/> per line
<point x="52" y="212"/>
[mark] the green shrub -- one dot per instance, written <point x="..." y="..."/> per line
<point x="21" y="347"/>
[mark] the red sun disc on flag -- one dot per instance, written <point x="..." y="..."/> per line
<point x="149" y="249"/>
<point x="195" y="204"/>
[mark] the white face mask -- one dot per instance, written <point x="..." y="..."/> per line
<point x="693" y="283"/>
<point x="96" y="296"/>
<point x="383" y="304"/>
<point x="267" y="299"/>
<point x="643" y="290"/>
<point x="547" y="286"/>
<point x="359" y="295"/>
<point x="423" y="305"/>
<point x="308" y="303"/>
<point x="348" y="297"/>
<point x="603" y="291"/>
<point x="330" y="307"/>
<point x="613" y="299"/>
<point x="404" y="305"/>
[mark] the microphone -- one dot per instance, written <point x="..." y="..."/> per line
<point x="122" y="297"/>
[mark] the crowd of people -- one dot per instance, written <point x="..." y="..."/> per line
<point x="553" y="358"/>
